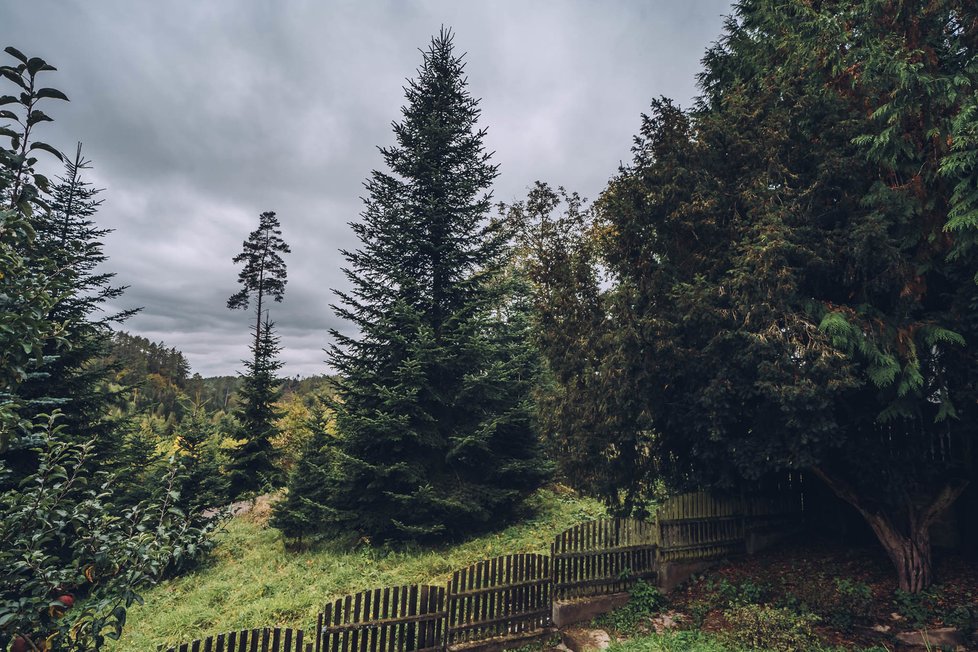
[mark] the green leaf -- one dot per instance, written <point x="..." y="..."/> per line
<point x="14" y="52"/>
<point x="36" y="64"/>
<point x="9" y="115"/>
<point x="13" y="76"/>
<point x="38" y="116"/>
<point x="8" y="99"/>
<point x="53" y="93"/>
<point x="47" y="148"/>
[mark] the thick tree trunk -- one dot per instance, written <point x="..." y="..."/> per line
<point x="908" y="547"/>
<point x="909" y="552"/>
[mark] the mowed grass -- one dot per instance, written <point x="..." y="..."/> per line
<point x="254" y="582"/>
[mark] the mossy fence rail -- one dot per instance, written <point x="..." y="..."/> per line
<point x="512" y="596"/>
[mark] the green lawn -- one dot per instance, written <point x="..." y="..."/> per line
<point x="254" y="582"/>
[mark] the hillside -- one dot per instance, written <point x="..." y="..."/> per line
<point x="253" y="581"/>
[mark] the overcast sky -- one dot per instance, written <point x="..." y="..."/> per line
<point x="201" y="114"/>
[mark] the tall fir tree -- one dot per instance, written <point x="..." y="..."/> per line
<point x="252" y="466"/>
<point x="263" y="277"/>
<point x="74" y="377"/>
<point x="435" y="420"/>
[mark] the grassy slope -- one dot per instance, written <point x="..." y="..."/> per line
<point x="254" y="582"/>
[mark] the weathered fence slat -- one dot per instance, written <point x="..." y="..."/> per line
<point x="397" y="619"/>
<point x="498" y="597"/>
<point x="605" y="556"/>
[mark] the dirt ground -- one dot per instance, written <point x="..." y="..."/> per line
<point x="806" y="572"/>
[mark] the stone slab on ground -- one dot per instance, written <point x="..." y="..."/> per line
<point x="578" y="611"/>
<point x="499" y="644"/>
<point x="673" y="573"/>
<point x="666" y="621"/>
<point x="934" y="639"/>
<point x="582" y="639"/>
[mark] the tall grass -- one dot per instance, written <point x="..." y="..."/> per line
<point x="254" y="582"/>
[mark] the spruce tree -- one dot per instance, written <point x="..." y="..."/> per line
<point x="252" y="467"/>
<point x="73" y="375"/>
<point x="302" y="511"/>
<point x="435" y="420"/>
<point x="201" y="485"/>
<point x="263" y="276"/>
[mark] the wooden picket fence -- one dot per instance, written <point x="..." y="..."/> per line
<point x="266" y="639"/>
<point x="603" y="556"/>
<point x="512" y="596"/>
<point x="398" y="619"/>
<point x="700" y="526"/>
<point x="498" y="597"/>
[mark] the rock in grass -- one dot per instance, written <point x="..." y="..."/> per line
<point x="934" y="639"/>
<point x="579" y="639"/>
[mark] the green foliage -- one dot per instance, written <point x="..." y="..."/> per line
<point x="644" y="600"/>
<point x="435" y="418"/>
<point x="61" y="534"/>
<point x="917" y="608"/>
<point x="27" y="293"/>
<point x="961" y="617"/>
<point x="840" y="603"/>
<point x="202" y="485"/>
<point x="782" y="292"/>
<point x="758" y="627"/>
<point x="590" y="412"/>
<point x="303" y="509"/>
<point x="728" y="594"/>
<point x="252" y="468"/>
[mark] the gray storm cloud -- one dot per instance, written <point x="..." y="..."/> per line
<point x="200" y="115"/>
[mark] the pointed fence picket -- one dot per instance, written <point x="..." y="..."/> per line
<point x="603" y="556"/>
<point x="394" y="619"/>
<point x="504" y="596"/>
<point x="266" y="639"/>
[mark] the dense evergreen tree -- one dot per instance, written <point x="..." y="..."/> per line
<point x="262" y="277"/>
<point x="435" y="421"/>
<point x="792" y="265"/>
<point x="201" y="484"/>
<point x="252" y="466"/>
<point x="74" y="374"/>
<point x="303" y="510"/>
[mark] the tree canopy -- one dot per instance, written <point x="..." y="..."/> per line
<point x="791" y="261"/>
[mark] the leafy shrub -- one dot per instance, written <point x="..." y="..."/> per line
<point x="841" y="603"/>
<point x="770" y="628"/>
<point x="698" y="611"/>
<point x="917" y="608"/>
<point x="644" y="600"/>
<point x="728" y="594"/>
<point x="852" y="601"/>
<point x="63" y="539"/>
<point x="960" y="617"/>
